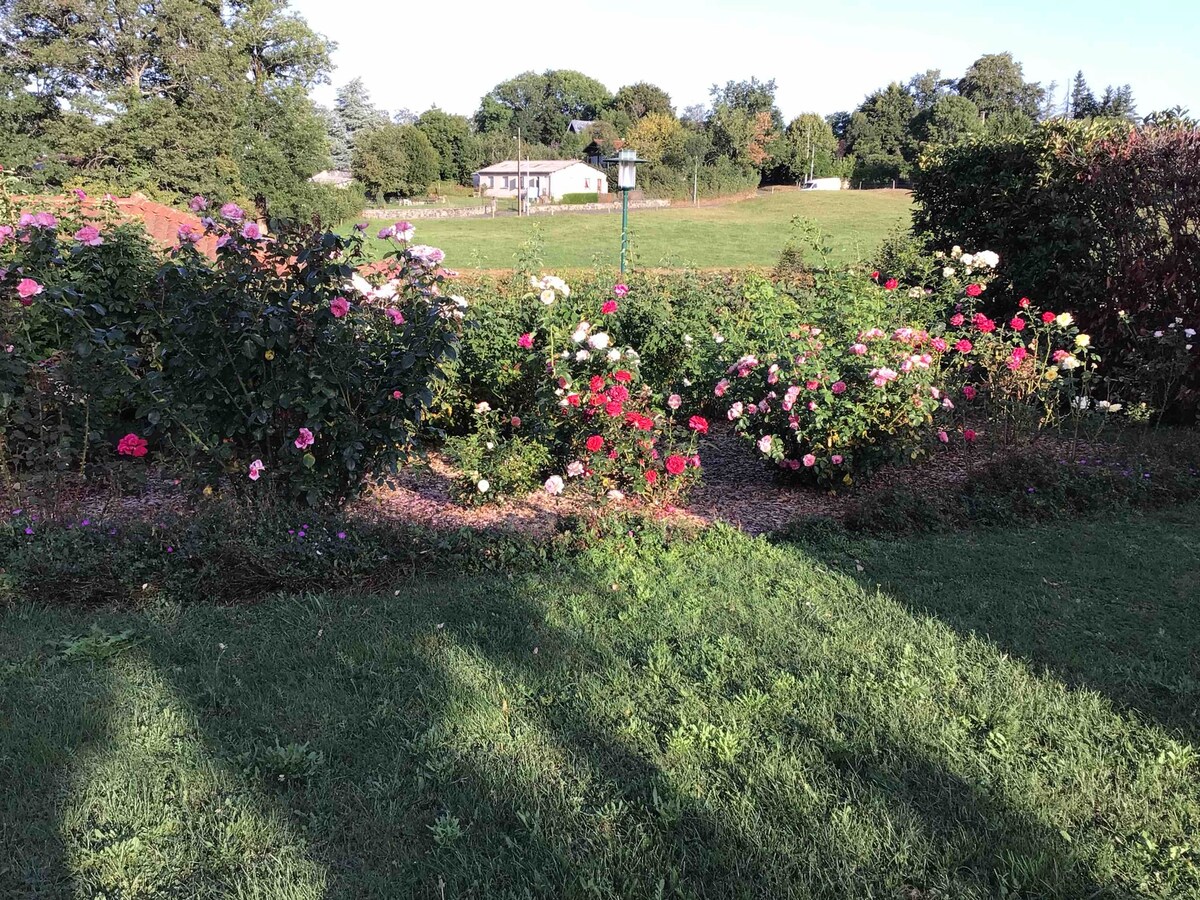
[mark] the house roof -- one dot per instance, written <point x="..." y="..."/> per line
<point x="533" y="167"/>
<point x="579" y="126"/>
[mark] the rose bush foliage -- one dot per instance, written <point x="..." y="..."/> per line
<point x="276" y="366"/>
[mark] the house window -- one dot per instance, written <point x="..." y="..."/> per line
<point x="587" y="183"/>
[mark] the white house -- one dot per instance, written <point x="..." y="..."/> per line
<point x="540" y="178"/>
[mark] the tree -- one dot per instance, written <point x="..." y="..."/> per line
<point x="1082" y="103"/>
<point x="808" y="147"/>
<point x="880" y="136"/>
<point x="356" y="111"/>
<point x="928" y="86"/>
<point x="1117" y="103"/>
<point x="949" y="120"/>
<point x="996" y="83"/>
<point x="405" y="116"/>
<point x="542" y="105"/>
<point x="840" y="123"/>
<point x="458" y="151"/>
<point x="752" y="96"/>
<point x="655" y="136"/>
<point x="639" y="100"/>
<point x="337" y="136"/>
<point x="395" y="159"/>
<point x="696" y="115"/>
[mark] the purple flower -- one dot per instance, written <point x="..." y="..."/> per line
<point x="232" y="212"/>
<point x="28" y="530"/>
<point x="198" y="204"/>
<point x="341" y="535"/>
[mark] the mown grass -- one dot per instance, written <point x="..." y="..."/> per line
<point x="997" y="714"/>
<point x="749" y="233"/>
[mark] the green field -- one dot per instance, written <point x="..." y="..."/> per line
<point x="750" y="233"/>
<point x="995" y="714"/>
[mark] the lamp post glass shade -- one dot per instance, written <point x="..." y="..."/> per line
<point x="626" y="161"/>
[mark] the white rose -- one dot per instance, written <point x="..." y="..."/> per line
<point x="1189" y="332"/>
<point x="598" y="341"/>
<point x="582" y="356"/>
<point x="581" y="332"/>
<point x="948" y="272"/>
<point x="483" y="485"/>
<point x="1064" y="319"/>
<point x="1082" y="340"/>
<point x="614" y="355"/>
<point x="987" y="258"/>
<point x="967" y="259"/>
<point x="547" y="296"/>
<point x="483" y="407"/>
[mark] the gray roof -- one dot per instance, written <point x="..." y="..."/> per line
<point x="532" y="166"/>
<point x="579" y="126"/>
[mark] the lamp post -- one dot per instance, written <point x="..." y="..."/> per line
<point x="626" y="161"/>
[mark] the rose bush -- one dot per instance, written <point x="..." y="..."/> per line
<point x="277" y="366"/>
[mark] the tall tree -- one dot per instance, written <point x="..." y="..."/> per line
<point x="356" y="111"/>
<point x="541" y="105"/>
<point x="395" y="159"/>
<point x="458" y="151"/>
<point x="642" y="99"/>
<point x="996" y="83"/>
<point x="1082" y="103"/>
<point x="839" y="122"/>
<point x="880" y="134"/>
<point x="949" y="120"/>
<point x="751" y="96"/>
<point x="926" y="87"/>
<point x="809" y="147"/>
<point x="1117" y="103"/>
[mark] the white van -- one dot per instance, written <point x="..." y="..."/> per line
<point x="823" y="184"/>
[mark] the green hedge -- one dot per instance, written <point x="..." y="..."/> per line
<point x="575" y="199"/>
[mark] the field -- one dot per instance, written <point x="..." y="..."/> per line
<point x="998" y="714"/>
<point x="750" y="233"/>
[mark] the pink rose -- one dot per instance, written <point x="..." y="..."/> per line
<point x="89" y="236"/>
<point x="809" y="460"/>
<point x="839" y="387"/>
<point x="305" y="439"/>
<point x="251" y="231"/>
<point x="620" y="290"/>
<point x="525" y="341"/>
<point x="395" y="315"/>
<point x="859" y="349"/>
<point x="339" y="306"/>
<point x="27" y="289"/>
<point x="836" y="459"/>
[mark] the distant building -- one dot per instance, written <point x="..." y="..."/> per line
<point x="540" y="178"/>
<point x="337" y="177"/>
<point x="579" y="126"/>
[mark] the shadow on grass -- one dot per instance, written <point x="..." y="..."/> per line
<point x="1110" y="606"/>
<point x="547" y="736"/>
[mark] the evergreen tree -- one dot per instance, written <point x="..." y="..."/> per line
<point x="357" y="113"/>
<point x="1083" y="102"/>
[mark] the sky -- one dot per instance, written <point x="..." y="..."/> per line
<point x="824" y="56"/>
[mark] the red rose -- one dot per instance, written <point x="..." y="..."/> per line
<point x="1047" y="317"/>
<point x="651" y="476"/>
<point x="698" y="424"/>
<point x="963" y="346"/>
<point x="609" y="307"/>
<point x="622" y="376"/>
<point x="595" y="443"/>
<point x="619" y="392"/>
<point x="613" y="408"/>
<point x="891" y="284"/>
<point x="597" y="383"/>
<point x="676" y="464"/>
<point x="875" y="275"/>
<point x="132" y="445"/>
<point x="1017" y="323"/>
<point x="956" y="319"/>
<point x="573" y="399"/>
<point x="968" y="435"/>
<point x="974" y="290"/>
<point x="1023" y="303"/>
<point x="969" y="392"/>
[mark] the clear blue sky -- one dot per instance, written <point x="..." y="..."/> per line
<point x="824" y="56"/>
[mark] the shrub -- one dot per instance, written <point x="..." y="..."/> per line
<point x="1098" y="216"/>
<point x="495" y="459"/>
<point x="575" y="199"/>
<point x="276" y="366"/>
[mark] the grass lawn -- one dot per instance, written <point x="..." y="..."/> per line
<point x="750" y="233"/>
<point x="990" y="714"/>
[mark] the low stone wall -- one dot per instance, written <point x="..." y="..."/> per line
<point x="440" y="212"/>
<point x="559" y="209"/>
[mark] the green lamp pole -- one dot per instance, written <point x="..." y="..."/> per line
<point x="626" y="161"/>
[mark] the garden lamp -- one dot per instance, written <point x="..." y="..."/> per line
<point x="627" y="162"/>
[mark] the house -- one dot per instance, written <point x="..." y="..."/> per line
<point x="540" y="179"/>
<point x="339" y="178"/>
<point x="579" y="126"/>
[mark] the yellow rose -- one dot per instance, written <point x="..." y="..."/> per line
<point x="1082" y="340"/>
<point x="1064" y="319"/>
<point x="1051" y="374"/>
<point x="270" y="355"/>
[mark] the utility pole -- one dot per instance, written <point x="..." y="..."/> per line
<point x="518" y="170"/>
<point x="696" y="183"/>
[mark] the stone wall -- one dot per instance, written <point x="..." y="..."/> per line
<point x="567" y="208"/>
<point x="412" y="213"/>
